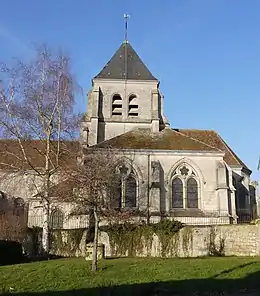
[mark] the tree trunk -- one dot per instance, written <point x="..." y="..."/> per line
<point x="45" y="229"/>
<point x="46" y="203"/>
<point x="95" y="244"/>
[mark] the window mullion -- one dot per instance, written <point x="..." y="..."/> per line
<point x="123" y="188"/>
<point x="185" y="195"/>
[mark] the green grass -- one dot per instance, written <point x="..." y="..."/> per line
<point x="136" y="277"/>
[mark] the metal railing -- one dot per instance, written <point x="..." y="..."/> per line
<point x="61" y="221"/>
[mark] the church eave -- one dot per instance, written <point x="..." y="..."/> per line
<point x="161" y="151"/>
<point x="135" y="81"/>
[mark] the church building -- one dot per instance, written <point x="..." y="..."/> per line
<point x="186" y="174"/>
<point x="189" y="174"/>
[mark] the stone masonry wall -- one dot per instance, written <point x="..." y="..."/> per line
<point x="226" y="240"/>
<point x="194" y="241"/>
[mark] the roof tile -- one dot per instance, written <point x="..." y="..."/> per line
<point x="167" y="139"/>
<point x="176" y="139"/>
<point x="11" y="156"/>
<point x="212" y="138"/>
<point x="135" y="68"/>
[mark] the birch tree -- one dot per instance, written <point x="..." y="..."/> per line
<point x="36" y="115"/>
<point x="94" y="183"/>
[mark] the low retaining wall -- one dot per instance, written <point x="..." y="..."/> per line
<point x="194" y="241"/>
<point x="224" y="240"/>
<point x="64" y="243"/>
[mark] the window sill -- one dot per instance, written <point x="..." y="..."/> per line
<point x="132" y="210"/>
<point x="189" y="212"/>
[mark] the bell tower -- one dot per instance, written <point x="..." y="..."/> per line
<point x="125" y="95"/>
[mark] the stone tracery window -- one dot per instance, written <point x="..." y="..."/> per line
<point x="184" y="171"/>
<point x="116" y="195"/>
<point x="184" y="188"/>
<point x="130" y="192"/>
<point x="192" y="193"/>
<point x="177" y="193"/>
<point x="125" y="193"/>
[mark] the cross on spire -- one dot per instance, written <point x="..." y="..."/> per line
<point x="126" y="17"/>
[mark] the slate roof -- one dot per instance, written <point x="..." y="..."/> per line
<point x="175" y="139"/>
<point x="115" y="68"/>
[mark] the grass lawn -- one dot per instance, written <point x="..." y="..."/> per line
<point x="128" y="276"/>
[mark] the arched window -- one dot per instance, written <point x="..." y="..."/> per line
<point x="177" y="193"/>
<point x="125" y="188"/>
<point x="56" y="219"/>
<point x="130" y="192"/>
<point x="185" y="187"/>
<point x="116" y="105"/>
<point x="116" y="195"/>
<point x="133" y="106"/>
<point x="192" y="193"/>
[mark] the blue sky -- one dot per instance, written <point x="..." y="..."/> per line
<point x="206" y="53"/>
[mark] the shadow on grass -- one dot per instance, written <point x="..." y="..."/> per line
<point x="250" y="285"/>
<point x="25" y="259"/>
<point x="230" y="270"/>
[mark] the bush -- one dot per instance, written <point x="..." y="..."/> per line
<point x="11" y="252"/>
<point x="131" y="238"/>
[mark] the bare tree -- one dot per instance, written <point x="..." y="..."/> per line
<point x="93" y="183"/>
<point x="13" y="218"/>
<point x="36" y="110"/>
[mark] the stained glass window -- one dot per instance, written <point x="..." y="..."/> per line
<point x="124" y="191"/>
<point x="184" y="171"/>
<point x="116" y="195"/>
<point x="177" y="193"/>
<point x="192" y="193"/>
<point x="130" y="192"/>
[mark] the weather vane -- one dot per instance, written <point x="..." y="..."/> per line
<point x="126" y="17"/>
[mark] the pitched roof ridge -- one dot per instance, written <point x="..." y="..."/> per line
<point x="232" y="152"/>
<point x="196" y="140"/>
<point x="195" y="129"/>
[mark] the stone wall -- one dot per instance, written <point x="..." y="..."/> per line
<point x="222" y="240"/>
<point x="100" y="106"/>
<point x="63" y="243"/>
<point x="13" y="218"/>
<point x="195" y="241"/>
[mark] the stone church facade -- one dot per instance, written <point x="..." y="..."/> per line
<point x="190" y="175"/>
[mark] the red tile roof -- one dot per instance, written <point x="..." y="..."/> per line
<point x="11" y="156"/>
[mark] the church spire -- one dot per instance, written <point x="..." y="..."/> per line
<point x="115" y="67"/>
<point x="125" y="64"/>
